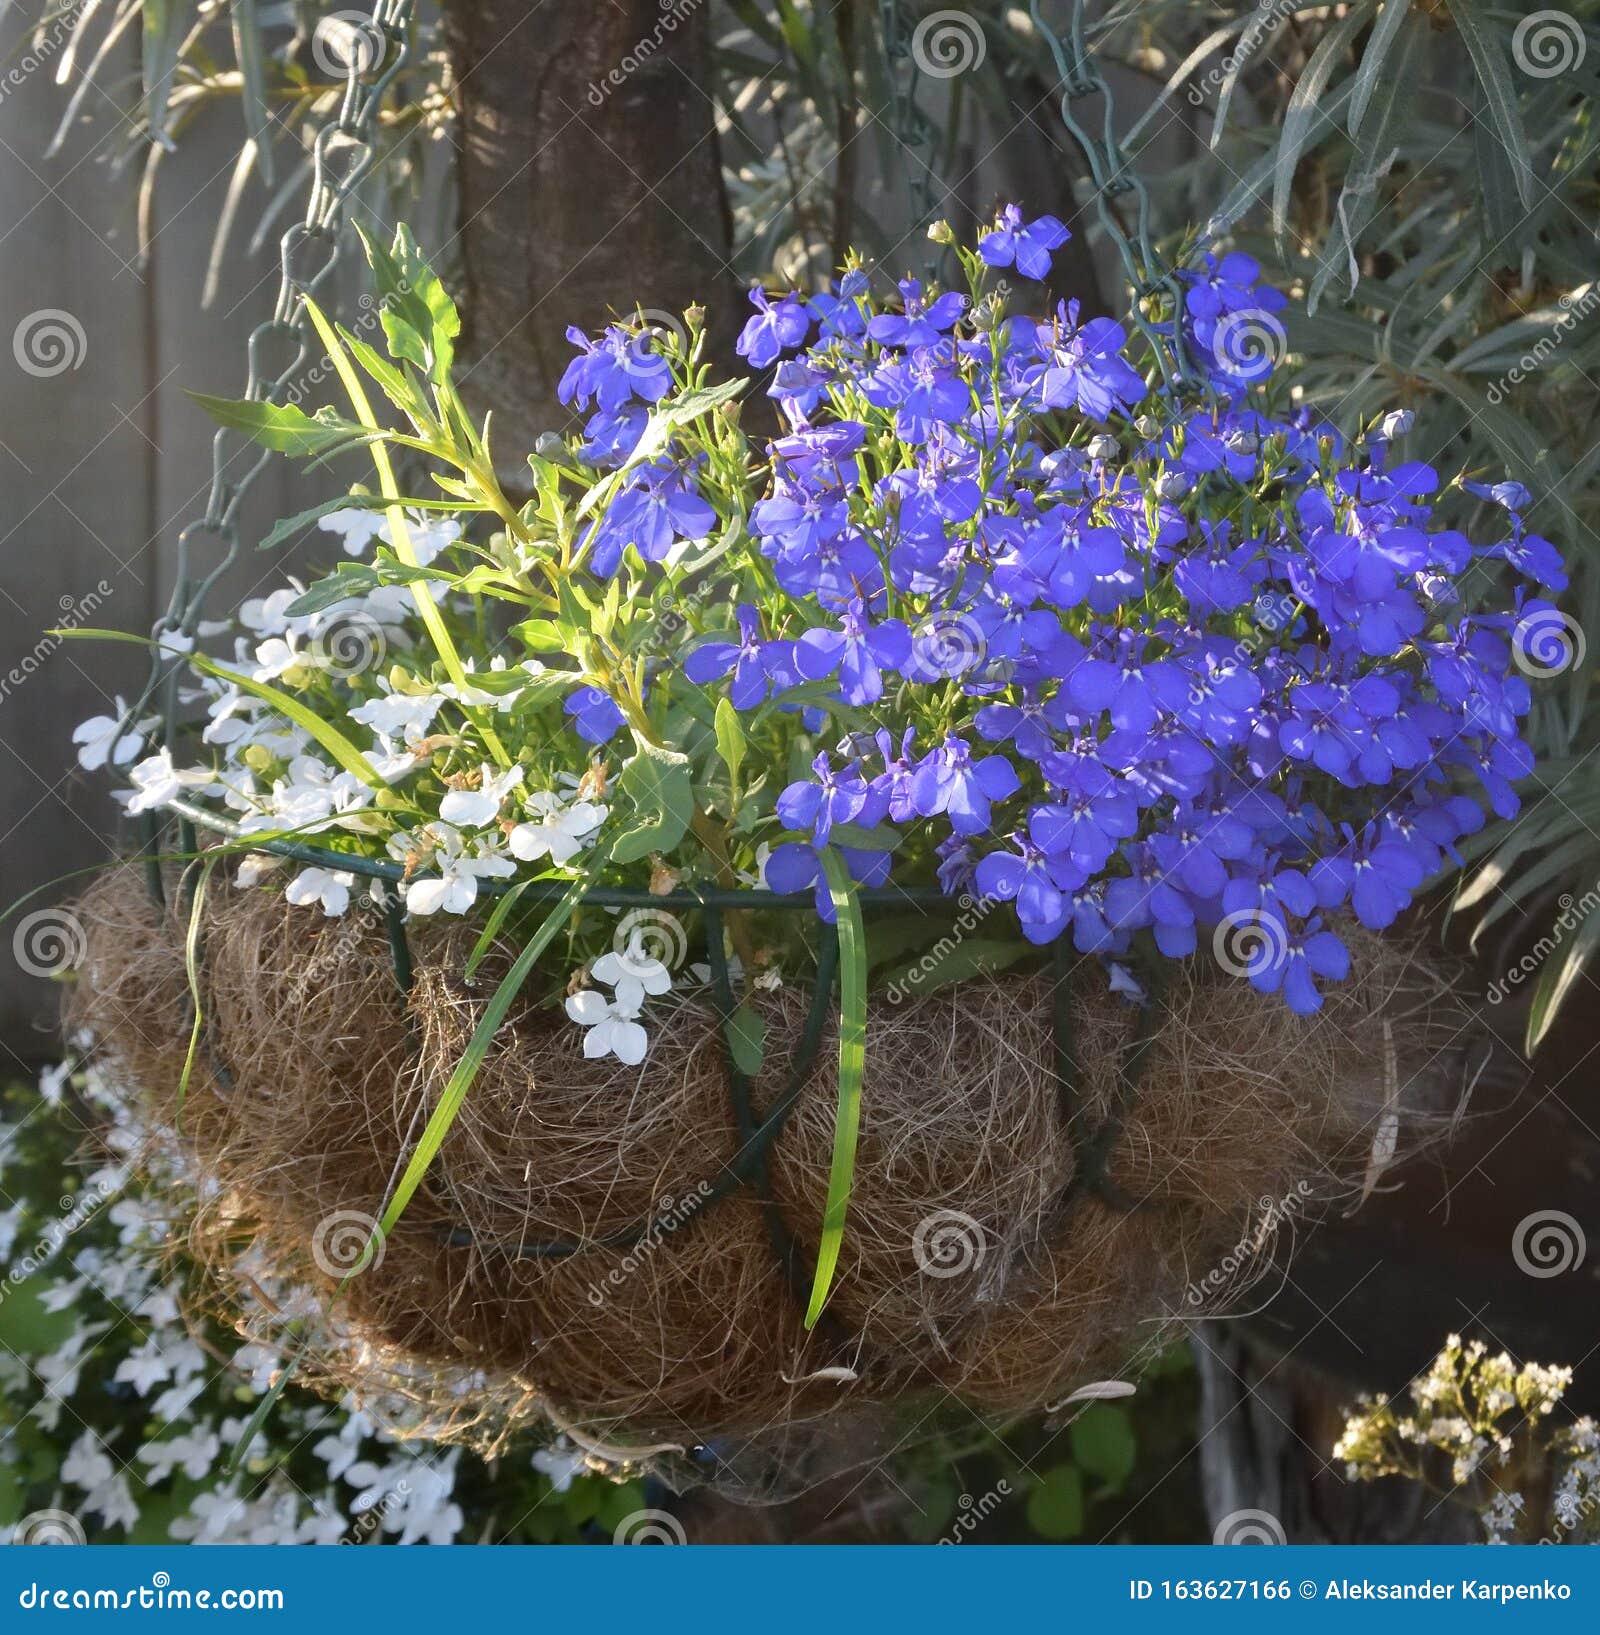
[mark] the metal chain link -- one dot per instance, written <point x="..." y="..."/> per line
<point x="343" y="152"/>
<point x="1114" y="175"/>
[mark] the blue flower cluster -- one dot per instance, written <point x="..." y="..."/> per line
<point x="1143" y="663"/>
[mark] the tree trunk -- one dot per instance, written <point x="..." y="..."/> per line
<point x="589" y="185"/>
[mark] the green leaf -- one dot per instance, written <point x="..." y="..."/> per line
<point x="747" y="1040"/>
<point x="163" y="34"/>
<point x="282" y="427"/>
<point x="660" y="787"/>
<point x="248" y="49"/>
<point x="1488" y="52"/>
<point x="287" y="527"/>
<point x="1370" y="74"/>
<point x="419" y="319"/>
<point x="1103" y="1444"/>
<point x="1055" y="1506"/>
<point x="880" y="839"/>
<point x="1557" y="980"/>
<point x="730" y="742"/>
<point x="852" y="1070"/>
<point x="540" y="636"/>
<point x="1303" y="117"/>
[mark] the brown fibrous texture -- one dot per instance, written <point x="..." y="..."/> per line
<point x="977" y="1263"/>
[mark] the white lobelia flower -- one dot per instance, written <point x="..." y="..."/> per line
<point x="328" y="887"/>
<point x="633" y="975"/>
<point x="612" y="1028"/>
<point x="428" y="535"/>
<point x="156" y="781"/>
<point x="254" y="867"/>
<point x="275" y="657"/>
<point x="99" y="741"/>
<point x="356" y="528"/>
<point x="269" y="615"/>
<point x="472" y="808"/>
<point x="560" y="830"/>
<point x="399" y="715"/>
<point x="454" y="872"/>
<point x="560" y="1462"/>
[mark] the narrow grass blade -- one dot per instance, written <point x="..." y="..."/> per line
<point x="852" y="1067"/>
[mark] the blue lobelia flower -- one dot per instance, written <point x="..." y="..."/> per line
<point x="594" y="714"/>
<point x="1027" y="245"/>
<point x="950" y="782"/>
<point x="859" y="652"/>
<point x="774" y="330"/>
<point x="794" y="866"/>
<point x="752" y="671"/>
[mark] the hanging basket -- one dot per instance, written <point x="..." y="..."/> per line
<point x="1048" y="1177"/>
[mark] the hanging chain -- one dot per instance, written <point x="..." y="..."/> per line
<point x="1114" y="175"/>
<point x="343" y="152"/>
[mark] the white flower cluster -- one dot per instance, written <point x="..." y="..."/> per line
<point x="1484" y="1418"/>
<point x="378" y="1483"/>
<point x="451" y="822"/>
